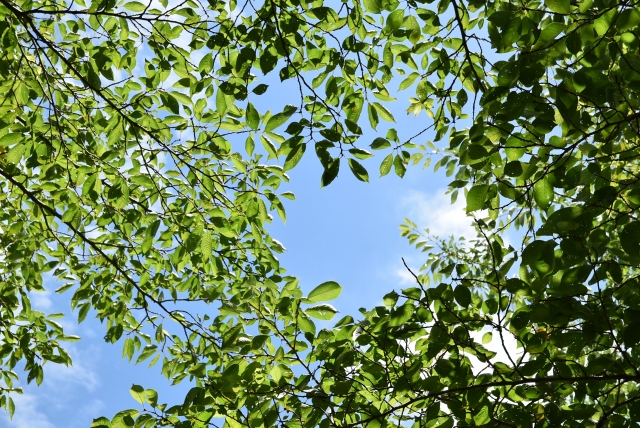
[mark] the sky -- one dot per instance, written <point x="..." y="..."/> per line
<point x="347" y="232"/>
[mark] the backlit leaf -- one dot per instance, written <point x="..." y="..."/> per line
<point x="321" y="312"/>
<point x="476" y="197"/>
<point x="324" y="292"/>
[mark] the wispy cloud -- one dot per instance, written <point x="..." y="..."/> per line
<point x="65" y="395"/>
<point x="404" y="276"/>
<point x="436" y="212"/>
<point x="28" y="414"/>
<point x="41" y="300"/>
<point x="81" y="373"/>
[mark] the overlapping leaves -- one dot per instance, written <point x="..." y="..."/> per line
<point x="121" y="125"/>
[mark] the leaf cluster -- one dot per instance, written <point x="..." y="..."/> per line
<point x="130" y="173"/>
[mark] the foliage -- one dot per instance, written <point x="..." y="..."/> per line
<point x="120" y="124"/>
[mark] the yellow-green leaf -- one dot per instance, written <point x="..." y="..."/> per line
<point x="324" y="292"/>
<point x="543" y="193"/>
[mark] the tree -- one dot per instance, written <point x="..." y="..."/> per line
<point x="119" y="128"/>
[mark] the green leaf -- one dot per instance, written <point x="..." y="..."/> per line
<point x="148" y="351"/>
<point x="413" y="27"/>
<point x="330" y="172"/>
<point x="206" y="65"/>
<point x="206" y="245"/>
<point x="399" y="166"/>
<point x="380" y="143"/>
<point x="10" y="139"/>
<point x="385" y="165"/>
<point x="321" y="312"/>
<point x="260" y="89"/>
<point x="137" y="392"/>
<point x="515" y="148"/>
<point x="64" y="287"/>
<point x="128" y="349"/>
<point x="269" y="147"/>
<point x="101" y="422"/>
<point x="373" y="6"/>
<point x="390" y="299"/>
<point x="401" y="315"/>
<point x="630" y="239"/>
<point x="543" y="193"/>
<point x="11" y="407"/>
<point x="184" y="99"/>
<point x="253" y="118"/>
<point x="383" y="112"/>
<point x="373" y="116"/>
<point x="483" y="416"/>
<point x="462" y="295"/>
<point x="71" y="338"/>
<point x="152" y="397"/>
<point x="172" y="104"/>
<point x="509" y="73"/>
<point x="549" y="33"/>
<point x="394" y="19"/>
<point x="294" y="156"/>
<point x="604" y="22"/>
<point x="408" y="81"/>
<point x="232" y="423"/>
<point x="221" y="103"/>
<point x="360" y="153"/>
<point x="279" y="119"/>
<point x="358" y="170"/>
<point x="387" y="56"/>
<point x="15" y="154"/>
<point x="558" y="6"/>
<point x="119" y="194"/>
<point x="135" y="6"/>
<point x="353" y="106"/>
<point x="476" y="197"/>
<point x="249" y="146"/>
<point x="324" y="292"/>
<point x="82" y="313"/>
<point x="513" y="169"/>
<point x="306" y="325"/>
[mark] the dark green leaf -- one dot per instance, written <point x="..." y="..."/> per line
<point x="462" y="295"/>
<point x="358" y="170"/>
<point x="330" y="172"/>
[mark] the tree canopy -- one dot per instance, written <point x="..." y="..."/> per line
<point x="136" y="169"/>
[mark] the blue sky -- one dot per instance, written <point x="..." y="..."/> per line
<point x="347" y="232"/>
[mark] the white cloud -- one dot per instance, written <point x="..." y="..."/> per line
<point x="435" y="212"/>
<point x="65" y="395"/>
<point x="505" y="348"/>
<point x="405" y="276"/>
<point x="41" y="300"/>
<point x="80" y="373"/>
<point x="34" y="410"/>
<point x="28" y="413"/>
